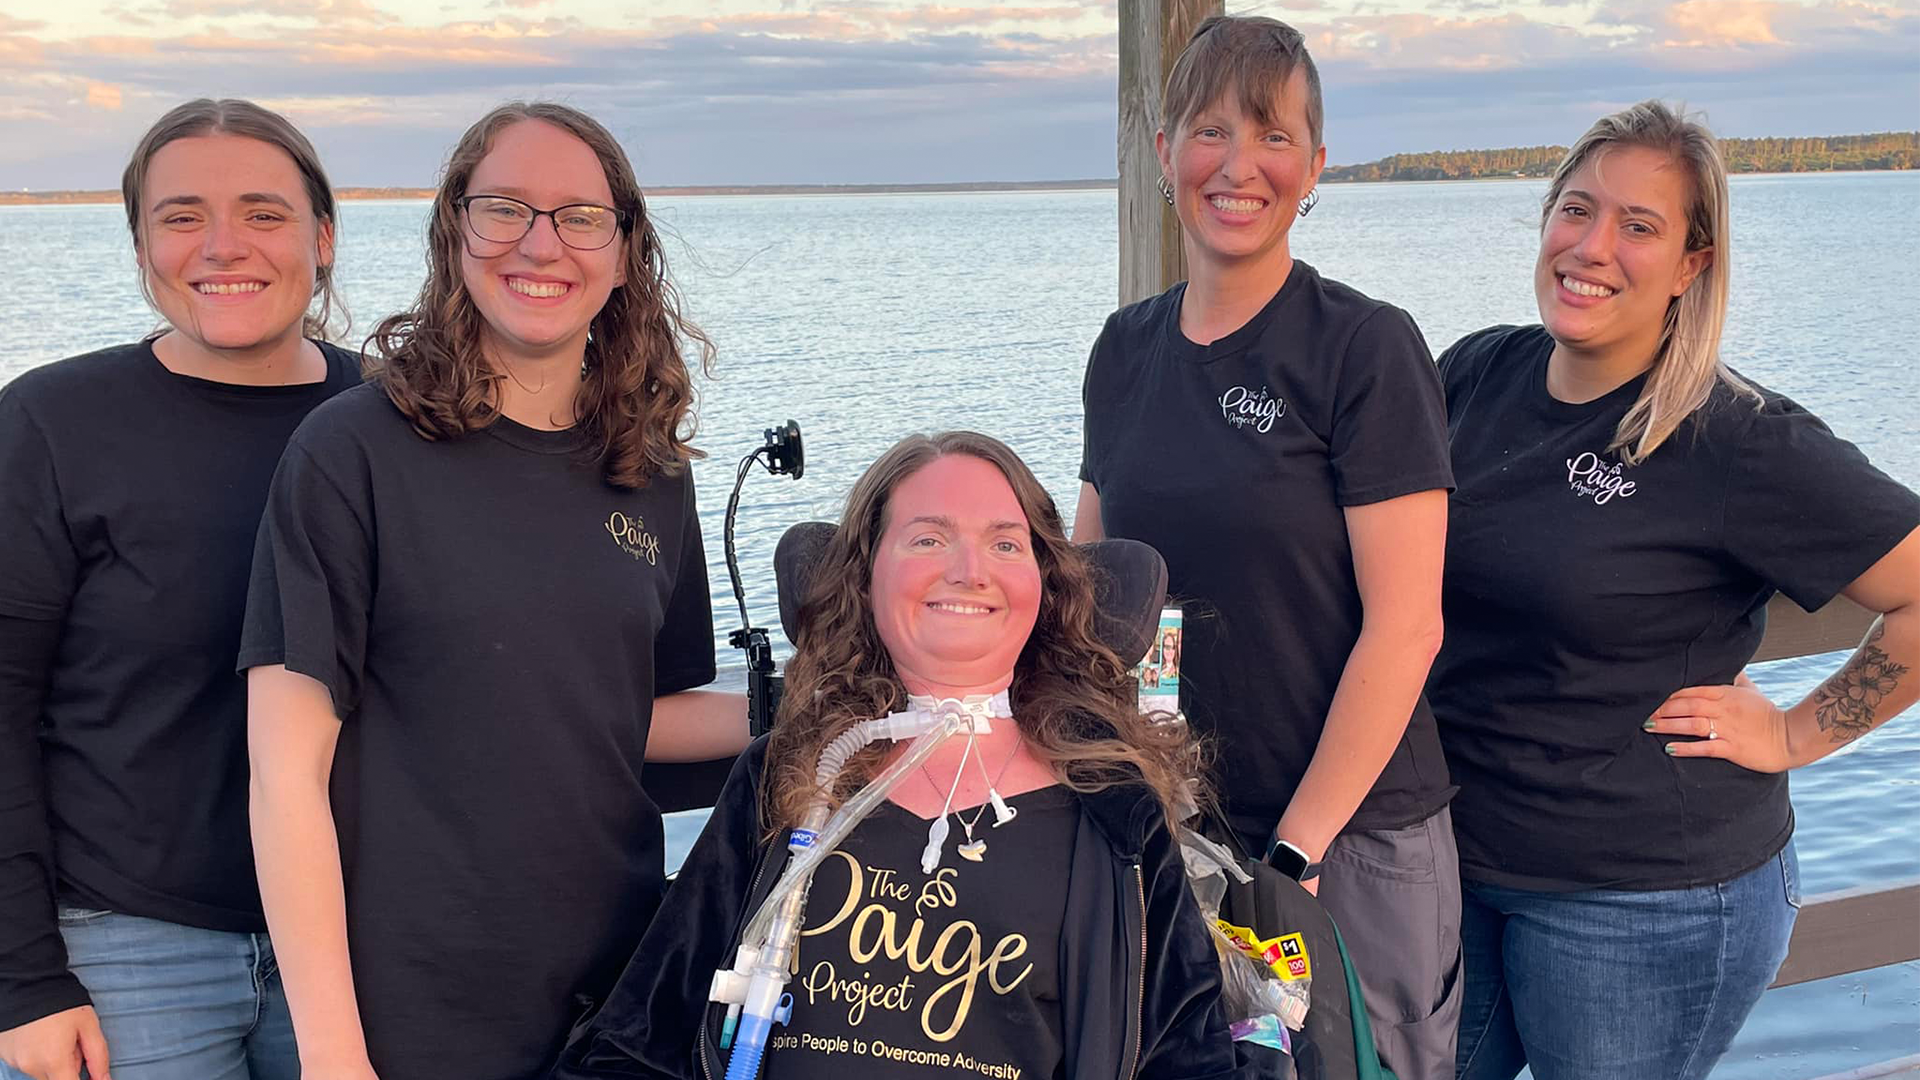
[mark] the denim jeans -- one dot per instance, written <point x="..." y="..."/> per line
<point x="1608" y="984"/>
<point x="180" y="1003"/>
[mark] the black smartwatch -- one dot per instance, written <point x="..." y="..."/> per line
<point x="1286" y="857"/>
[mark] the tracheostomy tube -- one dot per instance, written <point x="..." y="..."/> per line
<point x="754" y="988"/>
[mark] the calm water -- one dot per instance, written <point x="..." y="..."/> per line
<point x="869" y="317"/>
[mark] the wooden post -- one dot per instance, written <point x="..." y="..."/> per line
<point x="1152" y="33"/>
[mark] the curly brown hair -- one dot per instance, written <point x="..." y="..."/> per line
<point x="636" y="396"/>
<point x="1075" y="701"/>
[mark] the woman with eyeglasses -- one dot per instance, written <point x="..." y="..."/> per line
<point x="131" y="483"/>
<point x="479" y="605"/>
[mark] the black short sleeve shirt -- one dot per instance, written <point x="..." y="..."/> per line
<point x="493" y="620"/>
<point x="1236" y="460"/>
<point x="1581" y="592"/>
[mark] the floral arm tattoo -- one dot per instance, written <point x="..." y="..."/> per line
<point x="1845" y="704"/>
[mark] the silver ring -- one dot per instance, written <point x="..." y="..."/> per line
<point x="1711" y="733"/>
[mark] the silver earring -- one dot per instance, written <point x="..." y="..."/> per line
<point x="1166" y="189"/>
<point x="1307" y="204"/>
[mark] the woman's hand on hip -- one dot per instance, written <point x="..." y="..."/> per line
<point x="54" y="1047"/>
<point x="1735" y="722"/>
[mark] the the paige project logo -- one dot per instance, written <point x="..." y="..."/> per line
<point x="1257" y="409"/>
<point x="631" y="534"/>
<point x="1596" y="478"/>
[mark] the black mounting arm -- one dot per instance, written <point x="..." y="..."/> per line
<point x="784" y="456"/>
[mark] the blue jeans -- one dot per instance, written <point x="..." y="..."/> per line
<point x="1615" y="985"/>
<point x="180" y="1003"/>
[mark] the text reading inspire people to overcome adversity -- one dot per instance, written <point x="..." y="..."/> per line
<point x="940" y="1059"/>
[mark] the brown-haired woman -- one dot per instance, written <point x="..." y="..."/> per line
<point x="479" y="597"/>
<point x="1303" y="527"/>
<point x="1029" y="955"/>
<point x="131" y="484"/>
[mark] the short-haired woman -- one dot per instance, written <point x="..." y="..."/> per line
<point x="1302" y="522"/>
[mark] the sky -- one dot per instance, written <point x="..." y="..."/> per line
<point x="896" y="91"/>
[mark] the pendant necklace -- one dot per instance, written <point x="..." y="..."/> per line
<point x="975" y="849"/>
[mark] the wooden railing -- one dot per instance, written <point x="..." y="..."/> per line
<point x="1839" y="933"/>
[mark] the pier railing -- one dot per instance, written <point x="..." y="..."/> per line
<point x="1840" y="933"/>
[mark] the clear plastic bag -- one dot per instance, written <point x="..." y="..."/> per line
<point x="1256" y="978"/>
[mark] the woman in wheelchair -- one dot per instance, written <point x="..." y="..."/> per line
<point x="1052" y="934"/>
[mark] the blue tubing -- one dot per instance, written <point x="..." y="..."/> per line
<point x="749" y="1043"/>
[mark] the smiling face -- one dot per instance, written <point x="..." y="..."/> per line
<point x="538" y="297"/>
<point x="229" y="242"/>
<point x="1237" y="183"/>
<point x="955" y="584"/>
<point x="1613" y="252"/>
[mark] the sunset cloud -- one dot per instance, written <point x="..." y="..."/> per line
<point x="854" y="90"/>
<point x="102" y="96"/>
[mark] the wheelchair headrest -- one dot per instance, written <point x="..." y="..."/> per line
<point x="1129" y="586"/>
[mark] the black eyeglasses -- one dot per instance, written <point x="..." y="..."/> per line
<point x="501" y="220"/>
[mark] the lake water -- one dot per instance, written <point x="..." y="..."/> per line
<point x="870" y="317"/>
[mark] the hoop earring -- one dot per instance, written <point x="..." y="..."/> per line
<point x="1166" y="189"/>
<point x="1312" y="200"/>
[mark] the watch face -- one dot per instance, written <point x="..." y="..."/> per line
<point x="1287" y="859"/>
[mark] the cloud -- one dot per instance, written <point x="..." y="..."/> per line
<point x="102" y="96"/>
<point x="322" y="12"/>
<point x="870" y="91"/>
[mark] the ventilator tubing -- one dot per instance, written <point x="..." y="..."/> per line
<point x="754" y="988"/>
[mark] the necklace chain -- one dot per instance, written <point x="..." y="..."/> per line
<point x="978" y="811"/>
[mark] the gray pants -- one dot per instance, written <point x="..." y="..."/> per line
<point x="1395" y="894"/>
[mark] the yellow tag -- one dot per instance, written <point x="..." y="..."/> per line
<point x="1293" y="964"/>
<point x="1286" y="954"/>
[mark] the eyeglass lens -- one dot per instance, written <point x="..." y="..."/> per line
<point x="504" y="221"/>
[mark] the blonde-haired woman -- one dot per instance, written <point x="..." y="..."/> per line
<point x="1626" y="507"/>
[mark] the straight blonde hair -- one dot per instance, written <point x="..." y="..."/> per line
<point x="1687" y="362"/>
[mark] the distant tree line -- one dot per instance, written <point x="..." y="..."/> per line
<point x="1887" y="150"/>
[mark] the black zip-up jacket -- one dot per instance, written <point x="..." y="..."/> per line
<point x="1139" y="982"/>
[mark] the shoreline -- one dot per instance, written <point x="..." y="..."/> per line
<point x="370" y="194"/>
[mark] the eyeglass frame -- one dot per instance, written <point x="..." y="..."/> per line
<point x="622" y="219"/>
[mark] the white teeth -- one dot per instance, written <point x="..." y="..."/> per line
<point x="216" y="288"/>
<point x="1581" y="288"/>
<point x="539" y="289"/>
<point x="961" y="609"/>
<point x="1237" y="206"/>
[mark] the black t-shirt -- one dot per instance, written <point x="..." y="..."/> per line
<point x="957" y="973"/>
<point x="1580" y="593"/>
<point x="1236" y="460"/>
<point x="129" y="498"/>
<point x="493" y="620"/>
